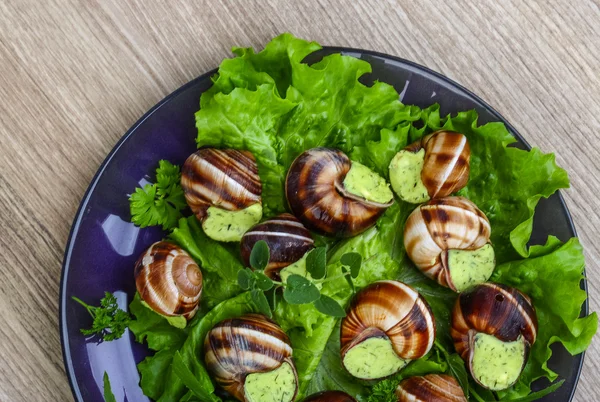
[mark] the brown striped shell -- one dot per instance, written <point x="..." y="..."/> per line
<point x="224" y="178"/>
<point x="430" y="388"/>
<point x="447" y="162"/>
<point x="492" y="309"/>
<point x="287" y="238"/>
<point x="168" y="280"/>
<point x="237" y="347"/>
<point x="316" y="194"/>
<point x="439" y="225"/>
<point x="393" y="310"/>
<point x="330" y="396"/>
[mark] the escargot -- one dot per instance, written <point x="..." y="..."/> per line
<point x="334" y="196"/>
<point x="288" y="242"/>
<point x="223" y="190"/>
<point x="430" y="388"/>
<point x="433" y="167"/>
<point x="330" y="396"/>
<point x="493" y="327"/>
<point x="169" y="281"/>
<point x="251" y="358"/>
<point x="448" y="239"/>
<point x="387" y="325"/>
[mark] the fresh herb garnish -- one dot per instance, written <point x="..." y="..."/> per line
<point x="108" y="394"/>
<point x="160" y="203"/>
<point x="110" y="321"/>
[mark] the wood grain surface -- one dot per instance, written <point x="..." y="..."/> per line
<point x="75" y="75"/>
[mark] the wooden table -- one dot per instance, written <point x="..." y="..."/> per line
<point x="74" y="76"/>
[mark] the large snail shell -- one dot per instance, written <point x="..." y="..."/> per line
<point x="447" y="162"/>
<point x="443" y="224"/>
<point x="225" y="178"/>
<point x="315" y="192"/>
<point x="430" y="388"/>
<point x="169" y="280"/>
<point x="237" y="347"/>
<point x="330" y="396"/>
<point x="287" y="238"/>
<point x="493" y="309"/>
<point x="392" y="309"/>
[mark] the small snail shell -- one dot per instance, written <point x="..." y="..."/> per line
<point x="238" y="347"/>
<point x="430" y="388"/>
<point x="439" y="225"/>
<point x="316" y="194"/>
<point x="492" y="309"/>
<point x="393" y="310"/>
<point x="224" y="178"/>
<point x="330" y="396"/>
<point x="447" y="162"/>
<point x="169" y="280"/>
<point x="287" y="238"/>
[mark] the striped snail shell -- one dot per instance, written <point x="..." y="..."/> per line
<point x="287" y="238"/>
<point x="497" y="310"/>
<point x="430" y="388"/>
<point x="237" y="348"/>
<point x="168" y="280"/>
<point x="224" y="178"/>
<point x="316" y="194"/>
<point x="330" y="396"/>
<point x="391" y="310"/>
<point x="435" y="228"/>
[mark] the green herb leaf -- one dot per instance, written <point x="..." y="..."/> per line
<point x="348" y="279"/>
<point x="189" y="379"/>
<point x="263" y="281"/>
<point x="108" y="394"/>
<point x="300" y="290"/>
<point x="109" y="322"/>
<point x="244" y="277"/>
<point x="259" y="256"/>
<point x="353" y="261"/>
<point x="327" y="305"/>
<point x="316" y="262"/>
<point x="534" y="396"/>
<point x="259" y="298"/>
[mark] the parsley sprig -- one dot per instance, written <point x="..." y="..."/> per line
<point x="297" y="289"/>
<point x="110" y="321"/>
<point x="160" y="203"/>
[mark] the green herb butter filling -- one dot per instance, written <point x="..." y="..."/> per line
<point x="496" y="364"/>
<point x="372" y="359"/>
<point x="278" y="385"/>
<point x="362" y="181"/>
<point x="405" y="176"/>
<point x="222" y="225"/>
<point x="471" y="267"/>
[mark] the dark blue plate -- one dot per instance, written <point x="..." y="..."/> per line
<point x="104" y="245"/>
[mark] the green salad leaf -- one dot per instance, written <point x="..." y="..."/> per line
<point x="108" y="393"/>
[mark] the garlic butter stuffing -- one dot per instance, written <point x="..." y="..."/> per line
<point x="306" y="272"/>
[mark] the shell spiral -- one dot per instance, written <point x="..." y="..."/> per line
<point x="430" y="388"/>
<point x="225" y="178"/>
<point x="315" y="192"/>
<point x="287" y="238"/>
<point x="439" y="225"/>
<point x="169" y="280"/>
<point x="492" y="309"/>
<point x="447" y="162"/>
<point x="330" y="396"/>
<point x="237" y="347"/>
<point x="392" y="309"/>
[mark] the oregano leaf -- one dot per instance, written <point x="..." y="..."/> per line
<point x="263" y="282"/>
<point x="328" y="306"/>
<point x="260" y="255"/>
<point x="300" y="290"/>
<point x="353" y="261"/>
<point x="244" y="279"/>
<point x="259" y="298"/>
<point x="316" y="262"/>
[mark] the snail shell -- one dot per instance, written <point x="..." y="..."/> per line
<point x="169" y="280"/>
<point x="492" y="309"/>
<point x="316" y="194"/>
<point x="224" y="178"/>
<point x="430" y="388"/>
<point x="287" y="238"/>
<point x="330" y="396"/>
<point x="439" y="225"/>
<point x="238" y="347"/>
<point x="394" y="310"/>
<point x="447" y="162"/>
